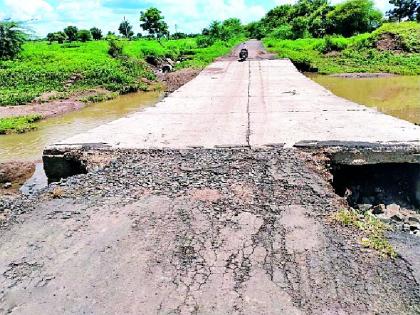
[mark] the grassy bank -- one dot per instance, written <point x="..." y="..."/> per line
<point x="393" y="48"/>
<point x="18" y="124"/>
<point x="72" y="67"/>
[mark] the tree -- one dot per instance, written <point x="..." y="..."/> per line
<point x="84" y="36"/>
<point x="59" y="37"/>
<point x="12" y="36"/>
<point x="353" y="17"/>
<point x="154" y="23"/>
<point x="215" y="30"/>
<point x="126" y="29"/>
<point x="255" y="30"/>
<point x="96" y="33"/>
<point x="71" y="32"/>
<point x="299" y="27"/>
<point x="179" y="35"/>
<point x="278" y="16"/>
<point x="403" y="9"/>
<point x="50" y="37"/>
<point x="232" y="28"/>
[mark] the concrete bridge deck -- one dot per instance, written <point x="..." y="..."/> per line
<point x="253" y="103"/>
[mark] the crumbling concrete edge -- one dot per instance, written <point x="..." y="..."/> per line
<point x="363" y="153"/>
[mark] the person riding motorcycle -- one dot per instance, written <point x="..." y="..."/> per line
<point x="243" y="54"/>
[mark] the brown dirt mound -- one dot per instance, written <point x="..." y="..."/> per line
<point x="16" y="171"/>
<point x="174" y="80"/>
<point x="389" y="42"/>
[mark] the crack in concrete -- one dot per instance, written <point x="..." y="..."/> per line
<point x="248" y="130"/>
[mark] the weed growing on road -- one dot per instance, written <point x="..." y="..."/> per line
<point x="18" y="124"/>
<point x="373" y="228"/>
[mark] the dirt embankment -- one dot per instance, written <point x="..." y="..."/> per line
<point x="174" y="80"/>
<point x="13" y="175"/>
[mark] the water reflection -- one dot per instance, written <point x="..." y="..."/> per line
<point x="29" y="146"/>
<point x="398" y="96"/>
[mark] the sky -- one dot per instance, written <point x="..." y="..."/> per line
<point x="189" y="16"/>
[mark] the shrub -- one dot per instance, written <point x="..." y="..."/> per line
<point x="334" y="44"/>
<point x="282" y="32"/>
<point x="204" y="41"/>
<point x="115" y="48"/>
<point x="84" y="35"/>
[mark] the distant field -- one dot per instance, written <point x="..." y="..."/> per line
<point x="72" y="67"/>
<point x="393" y="48"/>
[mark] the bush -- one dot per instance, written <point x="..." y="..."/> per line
<point x="282" y="32"/>
<point x="84" y="35"/>
<point x="114" y="48"/>
<point x="332" y="43"/>
<point x="204" y="41"/>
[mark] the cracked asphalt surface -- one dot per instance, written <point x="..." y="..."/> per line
<point x="218" y="231"/>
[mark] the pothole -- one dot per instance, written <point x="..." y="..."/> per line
<point x="387" y="183"/>
<point x="388" y="191"/>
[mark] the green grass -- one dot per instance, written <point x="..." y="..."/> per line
<point x="18" y="124"/>
<point x="373" y="229"/>
<point x="355" y="54"/>
<point x="44" y="68"/>
<point x="186" y="50"/>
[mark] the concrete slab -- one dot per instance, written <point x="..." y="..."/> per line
<point x="252" y="103"/>
<point x="168" y="130"/>
<point x="341" y="126"/>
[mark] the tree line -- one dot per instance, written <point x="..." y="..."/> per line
<point x="151" y="21"/>
<point x="317" y="18"/>
<point x="305" y="18"/>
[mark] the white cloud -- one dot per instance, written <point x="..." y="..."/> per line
<point x="189" y="15"/>
<point x="28" y="9"/>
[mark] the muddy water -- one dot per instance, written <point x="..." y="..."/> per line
<point x="398" y="96"/>
<point x="29" y="146"/>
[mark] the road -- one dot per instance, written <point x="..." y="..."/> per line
<point x="254" y="103"/>
<point x="215" y="229"/>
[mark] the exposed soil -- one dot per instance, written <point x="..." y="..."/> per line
<point x="174" y="80"/>
<point x="226" y="231"/>
<point x="14" y="173"/>
<point x="48" y="105"/>
<point x="389" y="42"/>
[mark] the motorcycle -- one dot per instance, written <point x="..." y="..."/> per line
<point x="243" y="55"/>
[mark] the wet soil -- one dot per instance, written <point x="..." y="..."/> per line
<point x="362" y="75"/>
<point x="49" y="108"/>
<point x="15" y="173"/>
<point x="223" y="231"/>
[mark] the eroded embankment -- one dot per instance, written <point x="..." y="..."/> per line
<point x="194" y="231"/>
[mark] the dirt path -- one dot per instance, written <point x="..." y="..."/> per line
<point x="229" y="231"/>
